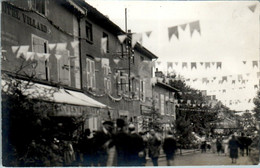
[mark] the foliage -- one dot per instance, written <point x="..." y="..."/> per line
<point x="257" y="106"/>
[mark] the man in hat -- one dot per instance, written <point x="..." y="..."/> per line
<point x="121" y="141"/>
<point x="101" y="143"/>
<point x="136" y="146"/>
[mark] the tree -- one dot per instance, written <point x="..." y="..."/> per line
<point x="257" y="106"/>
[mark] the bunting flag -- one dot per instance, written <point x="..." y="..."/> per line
<point x="243" y="81"/>
<point x="57" y="56"/>
<point x="247" y="74"/>
<point x="255" y="63"/>
<point x="193" y="65"/>
<point x="29" y="55"/>
<point x="244" y="62"/>
<point x="224" y="90"/>
<point x="52" y="46"/>
<point x="240" y="77"/>
<point x="204" y="80"/>
<point x="220" y="82"/>
<point x="207" y="65"/>
<point x="194" y="26"/>
<point x="219" y="65"/>
<point x="184" y="64"/>
<point x="22" y="50"/>
<point x="173" y="30"/>
<point x="224" y="78"/>
<point x="136" y="38"/>
<point x="255" y="87"/>
<point x="233" y="81"/>
<point x="116" y="60"/>
<point x="74" y="43"/>
<point x="15" y="49"/>
<point x="249" y="100"/>
<point x="252" y="8"/>
<point x="176" y="63"/>
<point x="158" y="63"/>
<point x="148" y="33"/>
<point x="169" y="65"/>
<point x="213" y="63"/>
<point x="104" y="45"/>
<point x="183" y="26"/>
<point x="258" y="74"/>
<point x="121" y="38"/>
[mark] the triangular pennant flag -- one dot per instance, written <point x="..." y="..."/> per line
<point x="46" y="55"/>
<point x="239" y="77"/>
<point x="176" y="63"/>
<point x="194" y="26"/>
<point x="204" y="80"/>
<point x="249" y="100"/>
<point x="244" y="62"/>
<point x="252" y="8"/>
<point x="224" y="78"/>
<point x="52" y="46"/>
<point x="173" y="30"/>
<point x="116" y="60"/>
<point x="148" y="33"/>
<point x="29" y="55"/>
<point x="193" y="65"/>
<point x="121" y="38"/>
<point x="74" y="43"/>
<point x="136" y="38"/>
<point x="201" y="63"/>
<point x="158" y="63"/>
<point x="255" y="63"/>
<point x="183" y="26"/>
<point x="57" y="56"/>
<point x="233" y="81"/>
<point x="22" y="50"/>
<point x="15" y="49"/>
<point x="169" y="65"/>
<point x="207" y="65"/>
<point x="104" y="45"/>
<point x="184" y="64"/>
<point x="213" y="63"/>
<point x="219" y="65"/>
<point x="255" y="86"/>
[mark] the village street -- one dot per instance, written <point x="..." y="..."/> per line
<point x="197" y="159"/>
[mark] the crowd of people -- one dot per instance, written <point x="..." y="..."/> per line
<point x="229" y="146"/>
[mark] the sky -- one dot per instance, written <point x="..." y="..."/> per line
<point x="229" y="33"/>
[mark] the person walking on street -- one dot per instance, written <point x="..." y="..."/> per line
<point x="136" y="147"/>
<point x="101" y="144"/>
<point x="248" y="142"/>
<point x="219" y="145"/>
<point x="169" y="148"/>
<point x="121" y="141"/>
<point x="85" y="147"/>
<point x="154" y="144"/>
<point x="233" y="147"/>
<point x="242" y="143"/>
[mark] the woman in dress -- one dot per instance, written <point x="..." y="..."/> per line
<point x="233" y="147"/>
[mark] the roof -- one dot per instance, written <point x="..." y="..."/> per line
<point x="166" y="86"/>
<point x="99" y="18"/>
<point x="145" y="51"/>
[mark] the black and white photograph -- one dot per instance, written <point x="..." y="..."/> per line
<point x="114" y="83"/>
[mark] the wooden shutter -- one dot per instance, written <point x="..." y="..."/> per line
<point x="88" y="68"/>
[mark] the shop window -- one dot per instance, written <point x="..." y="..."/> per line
<point x="38" y="5"/>
<point x="105" y="36"/>
<point x="63" y="65"/>
<point x="107" y="79"/>
<point x="89" y="33"/>
<point x="142" y="90"/>
<point x="39" y="46"/>
<point x="91" y="78"/>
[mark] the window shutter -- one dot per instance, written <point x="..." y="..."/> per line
<point x="143" y="91"/>
<point x="88" y="73"/>
<point x="93" y="74"/>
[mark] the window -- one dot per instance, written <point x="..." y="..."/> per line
<point x="63" y="65"/>
<point x="107" y="79"/>
<point x="122" y="81"/>
<point x="142" y="90"/>
<point x="89" y="35"/>
<point x="162" y="104"/>
<point x="39" y="46"/>
<point x="38" y="5"/>
<point x="106" y="44"/>
<point x="91" y="79"/>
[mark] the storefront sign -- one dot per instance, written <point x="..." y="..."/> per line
<point x="74" y="111"/>
<point x="17" y="14"/>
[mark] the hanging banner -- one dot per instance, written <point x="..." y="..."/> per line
<point x="52" y="46"/>
<point x="219" y="65"/>
<point x="252" y="8"/>
<point x="207" y="65"/>
<point x="184" y="64"/>
<point x="255" y="63"/>
<point x="183" y="26"/>
<point x="169" y="65"/>
<point x="193" y="65"/>
<point x="136" y="38"/>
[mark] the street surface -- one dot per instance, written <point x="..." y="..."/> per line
<point x="197" y="158"/>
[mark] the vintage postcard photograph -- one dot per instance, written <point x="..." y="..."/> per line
<point x="102" y="83"/>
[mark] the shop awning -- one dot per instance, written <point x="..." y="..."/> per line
<point x="52" y="94"/>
